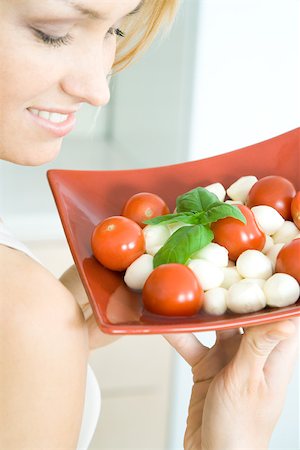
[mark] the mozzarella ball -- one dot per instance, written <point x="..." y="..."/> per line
<point x="155" y="235"/>
<point x="214" y="253"/>
<point x="267" y="218"/>
<point x="268" y="244"/>
<point x="239" y="189"/>
<point x="215" y="301"/>
<point x="254" y="264"/>
<point x="231" y="276"/>
<point x="245" y="297"/>
<point x="153" y="250"/>
<point x="286" y="233"/>
<point x="217" y="189"/>
<point x="234" y="202"/>
<point x="209" y="275"/>
<point x="138" y="272"/>
<point x="281" y="290"/>
<point x="273" y="253"/>
<point x="259" y="281"/>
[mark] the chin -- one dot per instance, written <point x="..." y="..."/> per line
<point x="37" y="155"/>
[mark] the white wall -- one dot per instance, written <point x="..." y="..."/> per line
<point x="247" y="80"/>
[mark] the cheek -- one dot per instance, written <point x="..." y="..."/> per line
<point x="23" y="77"/>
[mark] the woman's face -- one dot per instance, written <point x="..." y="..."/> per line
<point x="37" y="73"/>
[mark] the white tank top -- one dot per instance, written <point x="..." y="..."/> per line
<point x="92" y="396"/>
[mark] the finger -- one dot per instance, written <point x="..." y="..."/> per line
<point x="280" y="364"/>
<point x="188" y="346"/>
<point x="226" y="334"/>
<point x="257" y="344"/>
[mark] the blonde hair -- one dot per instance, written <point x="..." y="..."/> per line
<point x="141" y="28"/>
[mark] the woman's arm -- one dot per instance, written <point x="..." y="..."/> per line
<point x="71" y="280"/>
<point x="43" y="357"/>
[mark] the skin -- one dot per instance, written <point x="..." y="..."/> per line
<point x="238" y="377"/>
<point x="75" y="73"/>
<point x="240" y="385"/>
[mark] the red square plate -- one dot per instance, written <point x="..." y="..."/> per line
<point x="84" y="198"/>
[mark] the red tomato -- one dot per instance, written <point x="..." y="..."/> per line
<point x="117" y="242"/>
<point x="237" y="236"/>
<point x="273" y="191"/>
<point x="172" y="290"/>
<point x="295" y="210"/>
<point x="144" y="206"/>
<point x="288" y="259"/>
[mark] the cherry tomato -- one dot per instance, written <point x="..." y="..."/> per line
<point x="144" y="206"/>
<point x="172" y="290"/>
<point x="274" y="191"/>
<point x="117" y="242"/>
<point x="295" y="210"/>
<point x="288" y="259"/>
<point x="237" y="236"/>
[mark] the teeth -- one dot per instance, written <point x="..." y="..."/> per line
<point x="53" y="117"/>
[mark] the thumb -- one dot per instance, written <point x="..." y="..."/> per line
<point x="257" y="344"/>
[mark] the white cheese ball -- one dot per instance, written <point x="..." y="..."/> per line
<point x="138" y="272"/>
<point x="215" y="301"/>
<point x="153" y="250"/>
<point x="268" y="244"/>
<point x="155" y="235"/>
<point x="217" y="189"/>
<point x="281" y="290"/>
<point x="254" y="264"/>
<point x="245" y="297"/>
<point x="215" y="253"/>
<point x="267" y="218"/>
<point x="231" y="276"/>
<point x="286" y="233"/>
<point x="234" y="202"/>
<point x="273" y="253"/>
<point x="259" y="281"/>
<point x="209" y="275"/>
<point x="239" y="190"/>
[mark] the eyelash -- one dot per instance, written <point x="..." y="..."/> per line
<point x="65" y="40"/>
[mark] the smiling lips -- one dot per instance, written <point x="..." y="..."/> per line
<point x="57" y="123"/>
<point x="52" y="116"/>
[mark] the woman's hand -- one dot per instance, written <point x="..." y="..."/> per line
<point x="71" y="280"/>
<point x="239" y="385"/>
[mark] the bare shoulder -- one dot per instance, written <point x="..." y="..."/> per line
<point x="28" y="286"/>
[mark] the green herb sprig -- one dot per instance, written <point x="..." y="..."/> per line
<point x="197" y="208"/>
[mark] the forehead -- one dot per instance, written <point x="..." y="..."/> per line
<point x="100" y="9"/>
<point x="90" y="9"/>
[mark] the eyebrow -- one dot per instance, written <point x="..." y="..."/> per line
<point x="93" y="14"/>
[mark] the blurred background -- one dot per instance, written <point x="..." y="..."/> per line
<point x="227" y="76"/>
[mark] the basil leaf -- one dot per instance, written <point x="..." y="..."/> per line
<point x="182" y="244"/>
<point x="188" y="217"/>
<point x="198" y="199"/>
<point x="222" y="211"/>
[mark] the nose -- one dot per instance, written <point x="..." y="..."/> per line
<point x="87" y="79"/>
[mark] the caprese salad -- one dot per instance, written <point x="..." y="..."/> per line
<point x="234" y="249"/>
